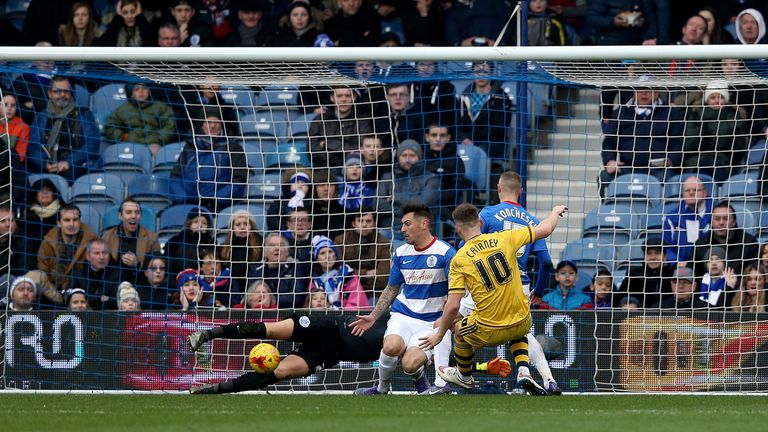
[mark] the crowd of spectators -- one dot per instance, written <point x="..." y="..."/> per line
<point x="325" y="240"/>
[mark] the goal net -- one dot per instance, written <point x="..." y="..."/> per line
<point x="151" y="198"/>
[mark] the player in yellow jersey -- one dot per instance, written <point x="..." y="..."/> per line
<point x="486" y="266"/>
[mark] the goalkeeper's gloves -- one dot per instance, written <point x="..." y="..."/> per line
<point x="497" y="366"/>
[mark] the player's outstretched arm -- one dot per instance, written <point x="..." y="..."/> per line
<point x="548" y="225"/>
<point x="446" y="322"/>
<point x="364" y="322"/>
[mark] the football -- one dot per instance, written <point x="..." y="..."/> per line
<point x="264" y="358"/>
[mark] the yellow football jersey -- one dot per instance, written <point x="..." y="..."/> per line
<point x="487" y="267"/>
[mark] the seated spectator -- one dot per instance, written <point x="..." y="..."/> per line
<point x="751" y="100"/>
<point x="295" y="192"/>
<point x="375" y="160"/>
<point x="648" y="283"/>
<point x="424" y="23"/>
<point x="391" y="68"/>
<point x="366" y="251"/>
<point x="81" y="28"/>
<point x="485" y="114"/>
<point x="434" y="99"/>
<point x="141" y="120"/>
<point x="620" y="22"/>
<point x="643" y="136"/>
<point x="630" y="302"/>
<point x="22" y="295"/>
<point x="717" y="280"/>
<point x="183" y="249"/>
<point x="337" y="278"/>
<point x="299" y="31"/>
<point x="717" y="136"/>
<point x="15" y="132"/>
<point x="476" y="22"/>
<point x="64" y="138"/>
<point x="750" y="27"/>
<point x="168" y="35"/>
<point x="155" y="286"/>
<point x="353" y="191"/>
<point x="564" y="297"/>
<point x="241" y="247"/>
<point x="337" y="130"/>
<point x="684" y="225"/>
<point x="62" y="253"/>
<point x="129" y="27"/>
<point x="130" y="244"/>
<point x="441" y="158"/>
<point x="17" y="256"/>
<point x="411" y="182"/>
<point x="544" y="28"/>
<point x="259" y="296"/>
<point x="77" y="300"/>
<point x="287" y="278"/>
<point x="693" y="34"/>
<point x="190" y="294"/>
<point x="763" y="255"/>
<point x="208" y="98"/>
<point x="317" y="299"/>
<point x="250" y="32"/>
<point x="299" y="233"/>
<point x="683" y="286"/>
<point x="715" y="33"/>
<point x="399" y="119"/>
<point x="99" y="282"/>
<point x="215" y="278"/>
<point x="751" y="296"/>
<point x="740" y="247"/>
<point x="328" y="215"/>
<point x="128" y="298"/>
<point x="40" y="214"/>
<point x="602" y="289"/>
<point x="192" y="32"/>
<point x="211" y="171"/>
<point x="31" y="87"/>
<point x="354" y="25"/>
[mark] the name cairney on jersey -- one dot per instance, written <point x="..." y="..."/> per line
<point x="423" y="279"/>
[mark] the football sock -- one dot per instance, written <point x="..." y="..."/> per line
<point x="387" y="367"/>
<point x="519" y="348"/>
<point x="242" y="330"/>
<point x="442" y="356"/>
<point x="417" y="375"/>
<point x="248" y="381"/>
<point x="538" y="359"/>
<point x="465" y="355"/>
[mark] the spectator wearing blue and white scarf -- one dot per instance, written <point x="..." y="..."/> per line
<point x="339" y="280"/>
<point x="717" y="280"/>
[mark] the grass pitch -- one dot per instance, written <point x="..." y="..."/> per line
<point x="319" y="413"/>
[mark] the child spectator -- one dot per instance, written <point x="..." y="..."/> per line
<point x="354" y="192"/>
<point x="563" y="297"/>
<point x="77" y="300"/>
<point x="299" y="30"/>
<point x="258" y="296"/>
<point x="374" y="158"/>
<point x="216" y="279"/>
<point x="717" y="280"/>
<point x="317" y="299"/>
<point x="543" y="28"/>
<point x="602" y="289"/>
<point x="128" y="298"/>
<point x="339" y="280"/>
<point x="81" y="28"/>
<point x="183" y="249"/>
<point x="295" y="193"/>
<point x="751" y="296"/>
<point x="190" y="294"/>
<point x="154" y="285"/>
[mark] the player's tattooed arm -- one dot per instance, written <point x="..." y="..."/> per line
<point x="385" y="300"/>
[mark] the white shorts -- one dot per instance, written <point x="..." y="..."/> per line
<point x="411" y="330"/>
<point x="467" y="305"/>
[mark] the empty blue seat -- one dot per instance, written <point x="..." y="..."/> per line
<point x="172" y="219"/>
<point x="241" y="97"/>
<point x="289" y="155"/>
<point x="61" y="183"/>
<point x="300" y="126"/>
<point x="100" y="190"/>
<point x="589" y="253"/>
<point x="674" y="185"/>
<point x="746" y="219"/>
<point x="756" y="155"/>
<point x="168" y="156"/>
<point x="476" y="166"/>
<point x="264" y="187"/>
<point x="630" y="255"/>
<point x="256" y="151"/>
<point x="610" y="223"/>
<point x="265" y="124"/>
<point x="151" y="191"/>
<point x="277" y="96"/>
<point x="638" y="190"/>
<point x="127" y="157"/>
<point x="111" y="218"/>
<point x="90" y="216"/>
<point x="743" y="189"/>
<point x="82" y="96"/>
<point x="652" y="221"/>
<point x="106" y="99"/>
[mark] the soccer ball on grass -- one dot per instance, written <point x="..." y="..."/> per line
<point x="264" y="358"/>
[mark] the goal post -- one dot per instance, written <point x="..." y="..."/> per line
<point x="252" y="167"/>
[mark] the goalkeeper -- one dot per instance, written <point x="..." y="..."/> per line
<point x="325" y="340"/>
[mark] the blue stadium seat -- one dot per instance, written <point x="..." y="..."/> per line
<point x="127" y="157"/>
<point x="256" y="151"/>
<point x="278" y="96"/>
<point x="288" y="156"/>
<point x="300" y="126"/>
<point x="476" y="166"/>
<point x="257" y="210"/>
<point x="589" y="253"/>
<point x="172" y="219"/>
<point x="651" y="221"/>
<point x="106" y="99"/>
<point x="16" y="6"/>
<point x="264" y="187"/>
<point x="240" y="96"/>
<point x="756" y="155"/>
<point x="265" y="124"/>
<point x="151" y="191"/>
<point x="167" y="157"/>
<point x="613" y="224"/>
<point x="746" y="219"/>
<point x="630" y="254"/>
<point x="90" y="216"/>
<point x="82" y="96"/>
<point x="100" y="190"/>
<point x="61" y="183"/>
<point x="111" y="218"/>
<point x="743" y="189"/>
<point x="673" y="186"/>
<point x="583" y="280"/>
<point x="640" y="191"/>
<point x="16" y="19"/>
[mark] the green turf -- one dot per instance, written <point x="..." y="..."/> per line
<point x="321" y="413"/>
